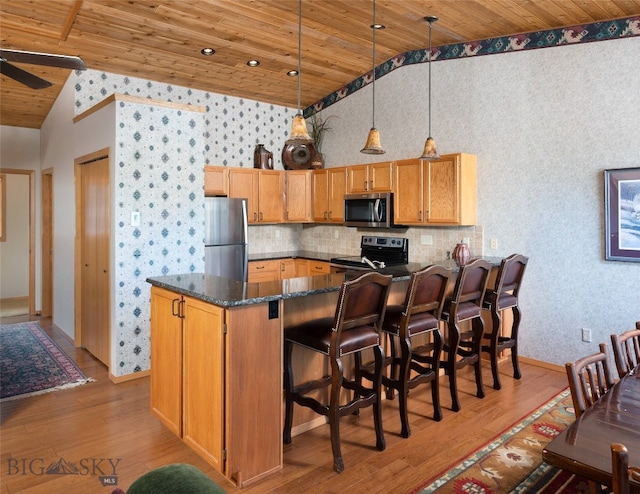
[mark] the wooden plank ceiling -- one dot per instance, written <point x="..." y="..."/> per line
<point x="161" y="40"/>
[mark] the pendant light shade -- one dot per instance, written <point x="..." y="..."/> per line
<point x="299" y="150"/>
<point x="373" y="146"/>
<point x="430" y="152"/>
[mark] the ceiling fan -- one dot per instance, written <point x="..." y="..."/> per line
<point x="30" y="57"/>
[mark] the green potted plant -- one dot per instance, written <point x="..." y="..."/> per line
<point x="319" y="127"/>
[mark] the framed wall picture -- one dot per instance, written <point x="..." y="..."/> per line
<point x="622" y="214"/>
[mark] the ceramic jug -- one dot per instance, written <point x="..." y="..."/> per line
<point x="461" y="253"/>
<point x="262" y="158"/>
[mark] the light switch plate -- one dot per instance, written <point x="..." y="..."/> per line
<point x="135" y="218"/>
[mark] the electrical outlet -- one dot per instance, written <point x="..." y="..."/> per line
<point x="586" y="335"/>
<point x="426" y="240"/>
<point x="336" y="234"/>
<point x="494" y="244"/>
<point x="277" y="233"/>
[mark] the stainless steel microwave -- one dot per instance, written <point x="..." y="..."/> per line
<point x="369" y="210"/>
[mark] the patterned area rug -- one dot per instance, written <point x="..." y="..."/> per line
<point x="31" y="363"/>
<point x="512" y="462"/>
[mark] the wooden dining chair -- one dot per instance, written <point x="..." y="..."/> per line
<point x="626" y="350"/>
<point x="589" y="379"/>
<point x="621" y="473"/>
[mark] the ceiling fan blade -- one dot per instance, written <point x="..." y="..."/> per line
<point x="48" y="59"/>
<point x="23" y="76"/>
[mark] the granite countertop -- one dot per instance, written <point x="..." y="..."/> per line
<point x="230" y="293"/>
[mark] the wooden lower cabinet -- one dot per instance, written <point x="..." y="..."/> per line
<point x="206" y="388"/>
<point x="282" y="269"/>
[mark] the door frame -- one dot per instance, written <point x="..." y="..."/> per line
<point x="32" y="234"/>
<point x="77" y="276"/>
<point x="46" y="192"/>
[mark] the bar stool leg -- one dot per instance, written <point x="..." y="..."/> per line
<point x="493" y="346"/>
<point x="477" y="325"/>
<point x="377" y="407"/>
<point x="452" y="352"/>
<point x="435" y="383"/>
<point x="514" y="337"/>
<point x="403" y="391"/>
<point x="288" y="387"/>
<point x="334" y="417"/>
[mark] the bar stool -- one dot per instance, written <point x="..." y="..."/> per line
<point x="418" y="315"/>
<point x="502" y="297"/>
<point x="463" y="348"/>
<point x="356" y="327"/>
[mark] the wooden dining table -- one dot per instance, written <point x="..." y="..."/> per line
<point x="584" y="448"/>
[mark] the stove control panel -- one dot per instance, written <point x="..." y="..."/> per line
<point x="391" y="242"/>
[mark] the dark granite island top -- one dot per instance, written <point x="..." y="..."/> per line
<point x="224" y="292"/>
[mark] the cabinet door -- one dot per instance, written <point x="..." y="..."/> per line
<point x="451" y="190"/>
<point x="243" y="183"/>
<point x="442" y="194"/>
<point x="357" y="179"/>
<point x="408" y="192"/>
<point x="337" y="190"/>
<point x="320" y="187"/>
<point x="298" y="204"/>
<point x="302" y="268"/>
<point x="263" y="271"/>
<point x="166" y="359"/>
<point x="216" y="181"/>
<point x="380" y="177"/>
<point x="287" y="268"/>
<point x="204" y="377"/>
<point x="270" y="196"/>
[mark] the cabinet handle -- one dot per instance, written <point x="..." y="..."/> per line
<point x="260" y="215"/>
<point x="326" y="216"/>
<point x="365" y="185"/>
<point x="281" y="266"/>
<point x="259" y="267"/>
<point x="175" y="309"/>
<point x="420" y="215"/>
<point x="181" y="309"/>
<point x="330" y="214"/>
<point x="255" y="216"/>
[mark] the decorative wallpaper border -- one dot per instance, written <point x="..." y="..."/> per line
<point x="583" y="33"/>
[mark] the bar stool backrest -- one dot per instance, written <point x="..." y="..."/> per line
<point x="471" y="282"/>
<point x="510" y="274"/>
<point x="426" y="291"/>
<point x="362" y="302"/>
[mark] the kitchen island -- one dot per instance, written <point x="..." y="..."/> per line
<point x="216" y="360"/>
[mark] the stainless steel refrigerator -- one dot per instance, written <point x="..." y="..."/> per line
<point x="225" y="244"/>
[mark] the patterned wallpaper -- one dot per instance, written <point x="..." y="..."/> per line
<point x="232" y="126"/>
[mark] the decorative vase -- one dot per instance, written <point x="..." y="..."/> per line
<point x="318" y="161"/>
<point x="262" y="158"/>
<point x="461" y="253"/>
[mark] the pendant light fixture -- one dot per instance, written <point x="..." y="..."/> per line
<point x="299" y="150"/>
<point x="373" y="146"/>
<point x="430" y="152"/>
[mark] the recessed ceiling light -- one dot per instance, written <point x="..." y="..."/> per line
<point x="292" y="73"/>
<point x="253" y="63"/>
<point x="207" y="51"/>
<point x="377" y="26"/>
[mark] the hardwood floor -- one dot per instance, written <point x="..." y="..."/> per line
<point x="100" y="421"/>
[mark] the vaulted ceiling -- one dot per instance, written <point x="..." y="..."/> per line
<point x="161" y="40"/>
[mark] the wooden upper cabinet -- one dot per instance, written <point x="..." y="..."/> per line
<point x="270" y="196"/>
<point x="328" y="189"/>
<point x="263" y="190"/>
<point x="216" y="180"/>
<point x="436" y="192"/>
<point x="337" y="184"/>
<point x="374" y="177"/>
<point x="243" y="183"/>
<point x="298" y="204"/>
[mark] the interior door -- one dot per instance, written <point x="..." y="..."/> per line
<point x="47" y="244"/>
<point x="94" y="245"/>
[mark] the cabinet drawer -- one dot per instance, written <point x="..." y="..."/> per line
<point x="264" y="271"/>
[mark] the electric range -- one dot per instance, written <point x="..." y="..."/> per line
<point x="377" y="252"/>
